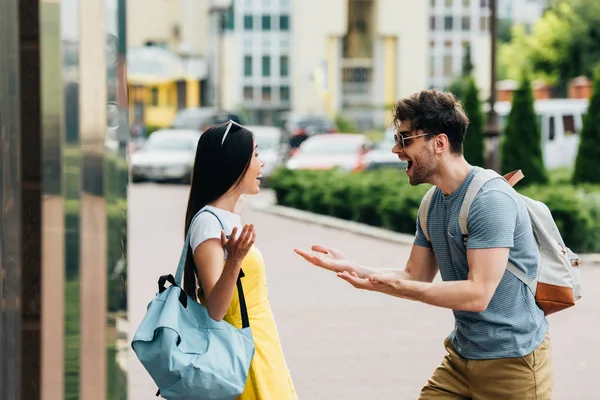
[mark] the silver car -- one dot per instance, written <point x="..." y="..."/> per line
<point x="167" y="156"/>
<point x="270" y="147"/>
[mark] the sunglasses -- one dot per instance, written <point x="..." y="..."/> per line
<point x="399" y="139"/>
<point x="229" y="124"/>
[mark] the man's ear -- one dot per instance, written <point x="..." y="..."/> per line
<point x="441" y="142"/>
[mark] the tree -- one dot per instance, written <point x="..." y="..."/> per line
<point x="474" y="144"/>
<point x="522" y="145"/>
<point x="563" y="44"/>
<point x="458" y="86"/>
<point x="587" y="163"/>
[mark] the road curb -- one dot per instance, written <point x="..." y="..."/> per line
<point x="358" y="228"/>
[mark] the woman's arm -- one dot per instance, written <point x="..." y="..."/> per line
<point x="218" y="281"/>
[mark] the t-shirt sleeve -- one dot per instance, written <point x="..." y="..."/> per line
<point x="205" y="226"/>
<point x="492" y="220"/>
<point x="420" y="239"/>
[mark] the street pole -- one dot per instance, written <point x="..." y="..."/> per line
<point x="492" y="131"/>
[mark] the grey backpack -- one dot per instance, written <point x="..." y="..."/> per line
<point x="558" y="282"/>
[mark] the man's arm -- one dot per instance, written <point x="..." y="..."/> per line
<point x="486" y="268"/>
<point x="421" y="266"/>
<point x="491" y="225"/>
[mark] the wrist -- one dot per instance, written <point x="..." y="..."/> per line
<point x="233" y="264"/>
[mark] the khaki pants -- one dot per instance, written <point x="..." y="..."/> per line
<point x="520" y="378"/>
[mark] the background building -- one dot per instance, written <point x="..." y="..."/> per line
<point x="356" y="57"/>
<point x="455" y="25"/>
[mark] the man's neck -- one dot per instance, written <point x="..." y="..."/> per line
<point x="452" y="175"/>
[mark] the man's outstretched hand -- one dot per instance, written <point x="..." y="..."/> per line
<point x="326" y="258"/>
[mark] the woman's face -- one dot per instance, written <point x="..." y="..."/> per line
<point x="250" y="183"/>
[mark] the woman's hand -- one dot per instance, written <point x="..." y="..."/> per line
<point x="238" y="247"/>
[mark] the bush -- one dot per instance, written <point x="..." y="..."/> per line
<point x="522" y="145"/>
<point x="384" y="198"/>
<point x="587" y="163"/>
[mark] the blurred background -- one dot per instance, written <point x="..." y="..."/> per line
<point x="102" y="103"/>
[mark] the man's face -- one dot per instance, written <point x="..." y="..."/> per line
<point x="412" y="147"/>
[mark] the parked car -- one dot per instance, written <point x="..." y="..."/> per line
<point x="167" y="155"/>
<point x="200" y="118"/>
<point x="270" y="147"/>
<point x="299" y="127"/>
<point x="332" y="150"/>
<point x="381" y="155"/>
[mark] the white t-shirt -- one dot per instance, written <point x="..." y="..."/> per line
<point x="206" y="226"/>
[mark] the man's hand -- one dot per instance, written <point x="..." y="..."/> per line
<point x="326" y="258"/>
<point x="388" y="283"/>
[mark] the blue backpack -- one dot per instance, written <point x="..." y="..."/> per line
<point x="187" y="353"/>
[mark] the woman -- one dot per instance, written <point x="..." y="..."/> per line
<point x="226" y="167"/>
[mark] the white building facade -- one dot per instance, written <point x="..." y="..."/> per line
<point x="255" y="55"/>
<point x="357" y="57"/>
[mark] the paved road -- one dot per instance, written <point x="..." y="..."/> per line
<point x="340" y="343"/>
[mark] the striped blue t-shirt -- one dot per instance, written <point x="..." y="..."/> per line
<point x="512" y="325"/>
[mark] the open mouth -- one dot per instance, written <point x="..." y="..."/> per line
<point x="409" y="165"/>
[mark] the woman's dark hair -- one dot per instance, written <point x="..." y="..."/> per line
<point x="217" y="168"/>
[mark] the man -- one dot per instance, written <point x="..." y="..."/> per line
<point x="499" y="348"/>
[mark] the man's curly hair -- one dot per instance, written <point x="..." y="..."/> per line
<point x="433" y="111"/>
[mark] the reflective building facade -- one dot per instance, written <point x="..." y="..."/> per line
<point x="63" y="199"/>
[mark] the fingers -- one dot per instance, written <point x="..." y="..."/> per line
<point x="313" y="259"/>
<point x="320" y="249"/>
<point x="223" y="238"/>
<point x="353" y="279"/>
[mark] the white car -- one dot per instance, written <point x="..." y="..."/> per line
<point x="167" y="156"/>
<point x="270" y="147"/>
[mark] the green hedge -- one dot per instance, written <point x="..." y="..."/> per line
<point x="385" y="198"/>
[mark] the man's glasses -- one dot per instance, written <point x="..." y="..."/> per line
<point x="402" y="141"/>
<point x="229" y="124"/>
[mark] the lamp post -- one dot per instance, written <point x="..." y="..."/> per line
<point x="492" y="130"/>
<point x="219" y="9"/>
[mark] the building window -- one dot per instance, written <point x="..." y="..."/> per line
<point x="284" y="22"/>
<point x="467" y="3"/>
<point x="247" y="65"/>
<point x="448" y="66"/>
<point x="432" y="23"/>
<point x="448" y="3"/>
<point x="484" y="3"/>
<point x="432" y="3"/>
<point x="552" y="129"/>
<point x="284" y="66"/>
<point x="228" y="20"/>
<point x="483" y="24"/>
<point x="248" y="22"/>
<point x="284" y="93"/>
<point x="466" y="23"/>
<point x="266" y="22"/>
<point x="266" y="66"/>
<point x="248" y="93"/>
<point x="569" y="125"/>
<point x="266" y="93"/>
<point x="448" y="23"/>
<point x="154" y="96"/>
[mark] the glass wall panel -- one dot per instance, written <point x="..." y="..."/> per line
<point x="10" y="201"/>
<point x="52" y="202"/>
<point x="116" y="179"/>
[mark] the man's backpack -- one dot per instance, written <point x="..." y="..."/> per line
<point x="558" y="282"/>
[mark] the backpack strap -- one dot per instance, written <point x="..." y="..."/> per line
<point x="424" y="211"/>
<point x="480" y="179"/>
